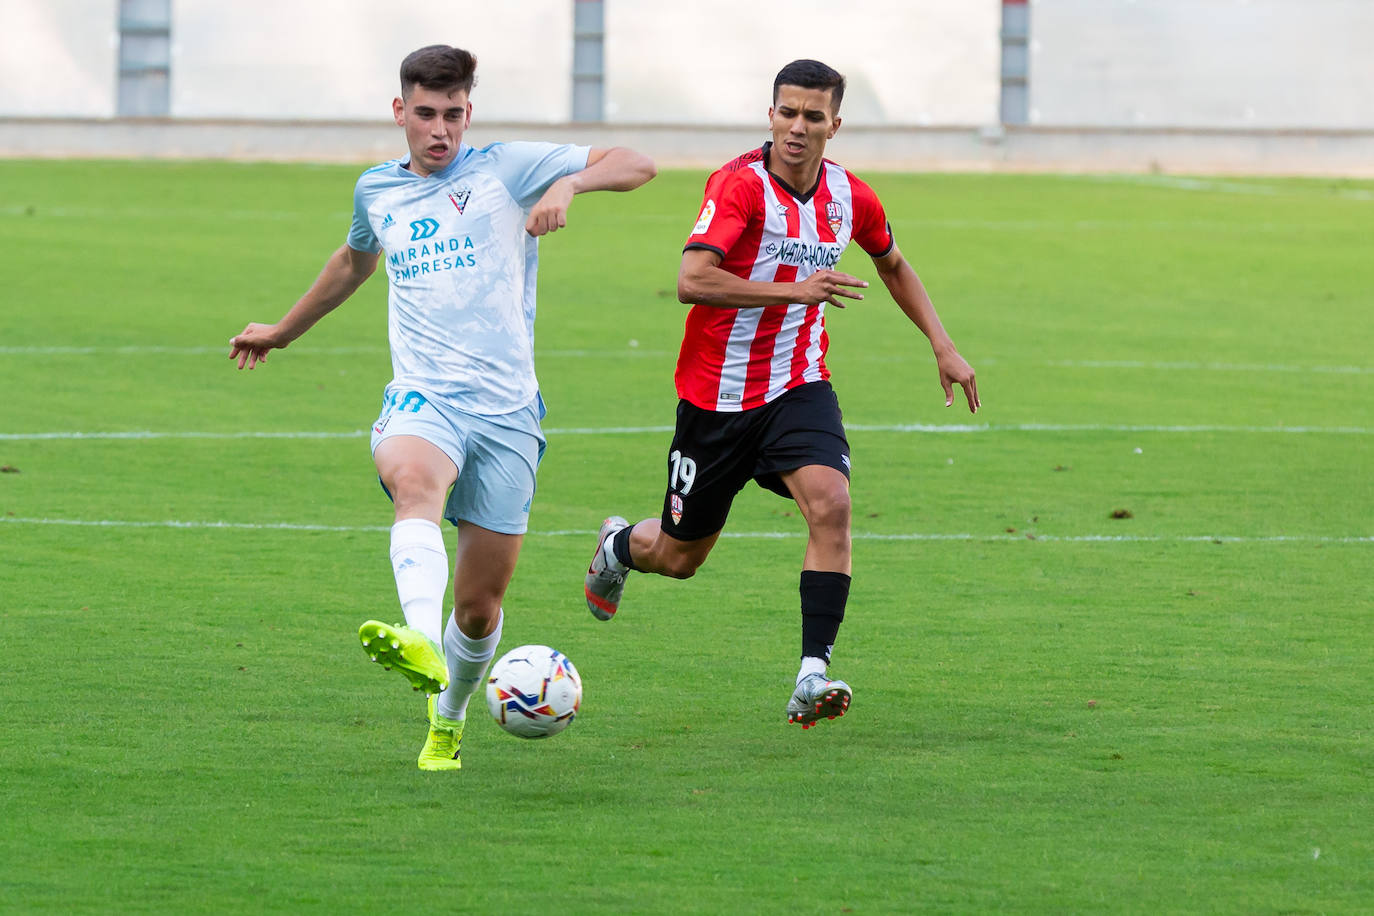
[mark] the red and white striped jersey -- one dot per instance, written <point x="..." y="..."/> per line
<point x="739" y="359"/>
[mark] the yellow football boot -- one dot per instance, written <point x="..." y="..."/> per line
<point x="443" y="744"/>
<point x="408" y="651"/>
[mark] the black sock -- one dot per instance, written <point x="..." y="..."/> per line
<point x="823" y="597"/>
<point x="620" y="546"/>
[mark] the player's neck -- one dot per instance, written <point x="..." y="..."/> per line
<point x="800" y="181"/>
<point x="800" y="178"/>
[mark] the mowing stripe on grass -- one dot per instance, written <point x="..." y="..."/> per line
<point x="743" y="535"/>
<point x="961" y="428"/>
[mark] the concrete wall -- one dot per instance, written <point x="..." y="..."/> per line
<point x="305" y="59"/>
<point x="1203" y="63"/>
<point x="1093" y="63"/>
<point x="58" y="58"/>
<point x="704" y="62"/>
<point x="1239" y="86"/>
<point x="907" y="62"/>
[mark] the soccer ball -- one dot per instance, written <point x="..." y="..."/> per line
<point x="533" y="691"/>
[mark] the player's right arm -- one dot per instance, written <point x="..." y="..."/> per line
<point x="702" y="281"/>
<point x="732" y="208"/>
<point x="343" y="273"/>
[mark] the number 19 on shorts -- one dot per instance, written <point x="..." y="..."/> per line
<point x="682" y="472"/>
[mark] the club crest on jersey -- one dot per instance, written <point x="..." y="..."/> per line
<point x="675" y="508"/>
<point x="834" y="213"/>
<point x="459" y="198"/>
<point x="708" y="213"/>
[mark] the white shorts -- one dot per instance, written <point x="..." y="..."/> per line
<point x="496" y="456"/>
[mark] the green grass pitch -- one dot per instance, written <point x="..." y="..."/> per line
<point x="1056" y="710"/>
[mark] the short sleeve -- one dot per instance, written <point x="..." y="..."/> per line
<point x="872" y="232"/>
<point x="360" y="234"/>
<point x="527" y="168"/>
<point x="730" y="199"/>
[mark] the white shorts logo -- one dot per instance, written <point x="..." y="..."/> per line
<point x="708" y="213"/>
<point x="675" y="507"/>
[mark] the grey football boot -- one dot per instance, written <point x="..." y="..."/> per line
<point x="604" y="585"/>
<point x="817" y="698"/>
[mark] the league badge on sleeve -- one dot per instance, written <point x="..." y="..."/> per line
<point x="708" y="213"/>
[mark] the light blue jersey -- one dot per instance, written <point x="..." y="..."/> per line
<point x="461" y="268"/>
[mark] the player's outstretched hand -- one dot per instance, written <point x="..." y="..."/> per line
<point x="251" y="345"/>
<point x="828" y="286"/>
<point x="955" y="370"/>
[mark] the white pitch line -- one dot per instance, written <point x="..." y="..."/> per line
<point x="132" y="349"/>
<point x="149" y="434"/>
<point x="237" y="526"/>
<point x="143" y="212"/>
<point x="739" y="535"/>
<point x="634" y="350"/>
<point x="1160" y="365"/>
<point x="1094" y="225"/>
<point x="1183" y="183"/>
<point x="1103" y="427"/>
<point x="1205" y="367"/>
<point x="951" y="428"/>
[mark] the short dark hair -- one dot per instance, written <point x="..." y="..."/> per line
<point x="438" y="67"/>
<point x="811" y="74"/>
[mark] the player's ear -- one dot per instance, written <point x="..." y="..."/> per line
<point x="467" y="122"/>
<point x="834" y="128"/>
<point x="398" y="111"/>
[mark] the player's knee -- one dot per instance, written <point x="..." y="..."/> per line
<point x="476" y="615"/>
<point x="409" y="484"/>
<point x="830" y="513"/>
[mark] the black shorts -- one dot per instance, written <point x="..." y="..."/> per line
<point x="714" y="454"/>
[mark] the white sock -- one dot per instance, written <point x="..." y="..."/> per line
<point x="810" y="664"/>
<point x="467" y="659"/>
<point x="608" y="554"/>
<point x="420" y="563"/>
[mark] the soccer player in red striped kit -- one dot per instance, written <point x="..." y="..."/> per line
<point x="756" y="401"/>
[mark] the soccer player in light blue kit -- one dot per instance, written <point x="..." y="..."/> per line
<point x="459" y="434"/>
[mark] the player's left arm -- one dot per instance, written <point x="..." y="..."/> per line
<point x="910" y="294"/>
<point x="616" y="168"/>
